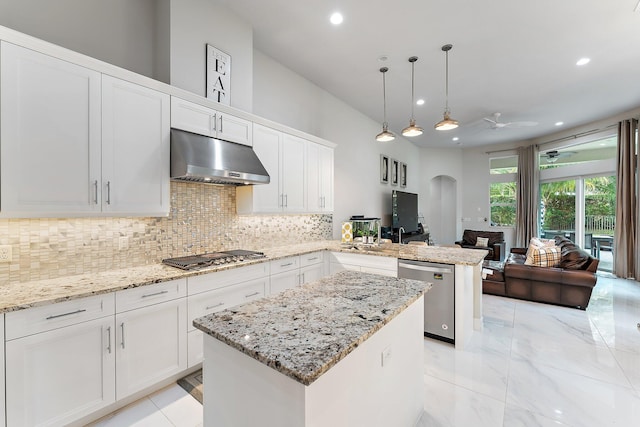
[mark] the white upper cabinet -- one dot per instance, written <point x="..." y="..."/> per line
<point x="50" y="135"/>
<point x="135" y="149"/>
<point x="283" y="156"/>
<point x="319" y="178"/>
<point x="75" y="142"/>
<point x="198" y="119"/>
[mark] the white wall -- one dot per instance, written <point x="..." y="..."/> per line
<point x="285" y="97"/>
<point x="196" y="23"/>
<point x="441" y="162"/>
<point x="120" y="32"/>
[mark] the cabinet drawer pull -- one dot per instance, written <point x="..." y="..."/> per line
<point x="122" y="331"/>
<point x="108" y="192"/>
<point x="252" y="295"/>
<point x="286" y="265"/>
<point x="55" y="316"/>
<point x="154" y="294"/>
<point x="214" y="306"/>
<point x="312" y="259"/>
<point x="109" y="339"/>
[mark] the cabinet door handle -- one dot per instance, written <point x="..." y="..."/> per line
<point x="109" y="339"/>
<point x="286" y="201"/>
<point x="303" y="279"/>
<point x="122" y="332"/>
<point x="95" y="194"/>
<point x="55" y="316"/>
<point x="221" y="130"/>
<point x="281" y="201"/>
<point x="214" y="306"/>
<point x="214" y="123"/>
<point x="155" y="294"/>
<point x="252" y="295"/>
<point x="108" y="192"/>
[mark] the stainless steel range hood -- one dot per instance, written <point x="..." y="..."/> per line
<point x="199" y="158"/>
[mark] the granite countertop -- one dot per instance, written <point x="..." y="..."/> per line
<point x="21" y="295"/>
<point x="304" y="331"/>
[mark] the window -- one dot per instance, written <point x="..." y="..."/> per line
<point x="502" y="196"/>
<point x="503" y="165"/>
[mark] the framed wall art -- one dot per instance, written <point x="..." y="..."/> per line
<point x="384" y="169"/>
<point x="394" y="171"/>
<point x="218" y="75"/>
<point x="403" y="175"/>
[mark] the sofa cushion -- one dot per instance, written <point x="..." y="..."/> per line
<point x="574" y="259"/>
<point x="482" y="242"/>
<point x="544" y="257"/>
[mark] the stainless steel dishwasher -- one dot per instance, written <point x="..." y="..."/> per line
<point x="439" y="302"/>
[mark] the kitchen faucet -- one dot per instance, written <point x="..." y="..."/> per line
<point x="400" y="231"/>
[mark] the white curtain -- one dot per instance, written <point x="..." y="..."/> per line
<point x="527" y="203"/>
<point x="626" y="262"/>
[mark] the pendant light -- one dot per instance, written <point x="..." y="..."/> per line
<point x="412" y="129"/>
<point x="447" y="122"/>
<point x="385" y="135"/>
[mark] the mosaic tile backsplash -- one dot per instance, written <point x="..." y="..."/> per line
<point x="202" y="219"/>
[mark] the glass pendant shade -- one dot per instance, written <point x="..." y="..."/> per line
<point x="412" y="129"/>
<point x="447" y="123"/>
<point x="385" y="135"/>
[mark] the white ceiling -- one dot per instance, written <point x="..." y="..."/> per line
<point x="509" y="56"/>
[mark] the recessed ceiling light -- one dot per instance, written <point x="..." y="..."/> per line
<point x="336" y="18"/>
<point x="455" y="138"/>
<point x="420" y="101"/>
<point x="559" y="123"/>
<point x="583" y="61"/>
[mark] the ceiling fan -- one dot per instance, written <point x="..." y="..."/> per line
<point x="497" y="124"/>
<point x="553" y="155"/>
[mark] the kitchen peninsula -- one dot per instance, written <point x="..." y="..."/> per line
<point x="345" y="350"/>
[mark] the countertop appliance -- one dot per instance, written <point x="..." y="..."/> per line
<point x="199" y="158"/>
<point x="439" y="302"/>
<point x="196" y="262"/>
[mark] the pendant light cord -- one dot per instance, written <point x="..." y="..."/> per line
<point x="446" y="90"/>
<point x="413" y="63"/>
<point x="384" y="96"/>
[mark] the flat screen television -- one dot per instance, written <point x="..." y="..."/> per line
<point x="404" y="211"/>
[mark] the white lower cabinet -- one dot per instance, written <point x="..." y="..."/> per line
<point x="385" y="266"/>
<point x="2" y="412"/>
<point x="151" y="340"/>
<point x="210" y="293"/>
<point x="55" y="376"/>
<point x="292" y="271"/>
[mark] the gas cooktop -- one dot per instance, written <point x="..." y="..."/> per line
<point x="195" y="262"/>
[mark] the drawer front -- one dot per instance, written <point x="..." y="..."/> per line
<point x="285" y="264"/>
<point x="312" y="258"/>
<point x="220" y="279"/>
<point x="131" y="299"/>
<point x="40" y="319"/>
<point x="221" y="299"/>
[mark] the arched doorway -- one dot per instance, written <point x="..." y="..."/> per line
<point x="442" y="208"/>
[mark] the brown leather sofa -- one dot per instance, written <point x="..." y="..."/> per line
<point x="570" y="284"/>
<point x="496" y="245"/>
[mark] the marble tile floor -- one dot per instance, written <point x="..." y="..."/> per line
<point x="534" y="365"/>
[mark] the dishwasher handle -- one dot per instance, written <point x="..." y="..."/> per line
<point x="425" y="268"/>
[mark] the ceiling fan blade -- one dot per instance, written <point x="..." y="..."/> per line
<point x="486" y="119"/>
<point x="521" y="124"/>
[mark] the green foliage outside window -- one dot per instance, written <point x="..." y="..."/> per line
<point x="502" y="196"/>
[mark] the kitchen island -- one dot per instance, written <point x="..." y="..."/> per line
<point x="345" y="350"/>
